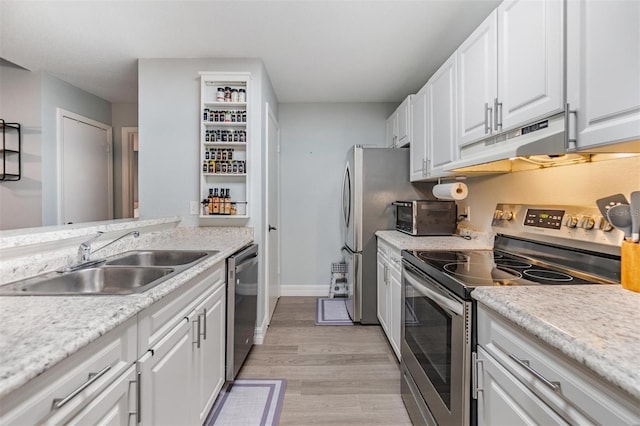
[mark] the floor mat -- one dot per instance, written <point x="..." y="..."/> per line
<point x="249" y="402"/>
<point x="332" y="312"/>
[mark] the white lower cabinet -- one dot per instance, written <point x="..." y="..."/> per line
<point x="522" y="380"/>
<point x="388" y="287"/>
<point x="90" y="384"/>
<point x="182" y="373"/>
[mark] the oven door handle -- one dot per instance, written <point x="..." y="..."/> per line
<point x="442" y="300"/>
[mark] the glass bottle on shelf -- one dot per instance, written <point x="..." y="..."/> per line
<point x="216" y="202"/>
<point x="210" y="198"/>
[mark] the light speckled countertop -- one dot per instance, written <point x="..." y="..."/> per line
<point x="401" y="241"/>
<point x="38" y="332"/>
<point x="596" y="325"/>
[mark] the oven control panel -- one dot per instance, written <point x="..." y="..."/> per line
<point x="546" y="223"/>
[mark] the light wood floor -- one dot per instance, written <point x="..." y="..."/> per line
<point x="338" y="375"/>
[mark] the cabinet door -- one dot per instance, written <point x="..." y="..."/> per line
<point x="209" y="358"/>
<point x="504" y="400"/>
<point x="603" y="76"/>
<point x="404" y="123"/>
<point x="382" y="291"/>
<point x="165" y="381"/>
<point x="418" y="147"/>
<point x="477" y="81"/>
<point x="115" y="406"/>
<point x="395" y="306"/>
<point x="530" y="61"/>
<point x="441" y="125"/>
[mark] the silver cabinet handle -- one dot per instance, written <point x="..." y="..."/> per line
<point x="571" y="134"/>
<point x="555" y="386"/>
<point x="475" y="375"/>
<point x="487" y="118"/>
<point x="498" y="116"/>
<point x="137" y="383"/>
<point x="204" y="320"/>
<point x="197" y="341"/>
<point x="60" y="402"/>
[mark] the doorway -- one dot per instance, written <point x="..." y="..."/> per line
<point x="129" y="167"/>
<point x="85" y="169"/>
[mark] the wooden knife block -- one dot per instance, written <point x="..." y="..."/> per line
<point x="630" y="266"/>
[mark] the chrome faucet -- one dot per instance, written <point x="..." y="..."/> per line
<point x="84" y="251"/>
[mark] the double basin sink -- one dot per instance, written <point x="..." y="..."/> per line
<point x="130" y="272"/>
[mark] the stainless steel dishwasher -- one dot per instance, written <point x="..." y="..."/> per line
<point x="242" y="304"/>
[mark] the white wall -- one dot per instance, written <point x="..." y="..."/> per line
<point x="122" y="115"/>
<point x="580" y="185"/>
<point x="314" y="141"/>
<point x="20" y="99"/>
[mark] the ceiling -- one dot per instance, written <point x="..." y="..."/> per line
<point x="314" y="51"/>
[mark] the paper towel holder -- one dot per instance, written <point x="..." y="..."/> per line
<point x="453" y="178"/>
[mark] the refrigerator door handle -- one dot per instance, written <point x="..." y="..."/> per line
<point x="346" y="209"/>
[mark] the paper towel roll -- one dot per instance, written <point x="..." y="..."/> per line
<point x="451" y="191"/>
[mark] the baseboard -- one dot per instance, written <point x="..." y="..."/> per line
<point x="305" y="290"/>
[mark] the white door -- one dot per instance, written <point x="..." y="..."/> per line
<point x="418" y="147"/>
<point x="85" y="169"/>
<point x="404" y="129"/>
<point x="477" y="81"/>
<point x="603" y="75"/>
<point x="441" y="125"/>
<point x="530" y="61"/>
<point x="273" y="214"/>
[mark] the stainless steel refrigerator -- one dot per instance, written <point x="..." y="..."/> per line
<point x="373" y="179"/>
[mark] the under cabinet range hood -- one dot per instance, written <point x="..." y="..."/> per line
<point x="543" y="143"/>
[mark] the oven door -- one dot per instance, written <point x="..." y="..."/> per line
<point x="436" y="346"/>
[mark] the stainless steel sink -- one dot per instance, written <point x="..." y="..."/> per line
<point x="127" y="273"/>
<point x="159" y="257"/>
<point x="90" y="281"/>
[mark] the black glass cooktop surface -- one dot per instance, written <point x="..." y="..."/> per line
<point x="477" y="268"/>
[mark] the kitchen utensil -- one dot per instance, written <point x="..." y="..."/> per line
<point x="635" y="216"/>
<point x="620" y="217"/>
<point x="612" y="200"/>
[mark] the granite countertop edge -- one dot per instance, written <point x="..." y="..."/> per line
<point x="29" y="346"/>
<point x="601" y="362"/>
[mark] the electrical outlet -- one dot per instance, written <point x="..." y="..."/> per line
<point x="467" y="212"/>
<point x="193" y="207"/>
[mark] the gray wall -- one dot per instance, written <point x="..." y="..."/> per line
<point x="20" y="99"/>
<point x="122" y="115"/>
<point x="59" y="94"/>
<point x="314" y="143"/>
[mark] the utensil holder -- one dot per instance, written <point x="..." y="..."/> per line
<point x="630" y="266"/>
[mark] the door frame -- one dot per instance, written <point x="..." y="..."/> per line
<point x="127" y="170"/>
<point x="61" y="114"/>
<point x="269" y="115"/>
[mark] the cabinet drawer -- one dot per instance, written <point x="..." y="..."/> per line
<point x="571" y="389"/>
<point x="158" y="319"/>
<point x="74" y="382"/>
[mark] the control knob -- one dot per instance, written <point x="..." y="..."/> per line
<point x="507" y="215"/>
<point x="572" y="221"/>
<point x="588" y="222"/>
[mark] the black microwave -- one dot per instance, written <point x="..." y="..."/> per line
<point x="426" y="217"/>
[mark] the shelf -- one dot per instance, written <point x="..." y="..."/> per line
<point x="231" y="175"/>
<point x="232" y="144"/>
<point x="225" y="123"/>
<point x="224" y="216"/>
<point x="15" y="165"/>
<point x="225" y="104"/>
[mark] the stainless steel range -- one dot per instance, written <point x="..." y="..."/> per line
<point x="534" y="245"/>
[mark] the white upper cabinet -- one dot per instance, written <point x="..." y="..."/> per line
<point x="441" y="122"/>
<point x="418" y="148"/>
<point x="399" y="126"/>
<point x="511" y="69"/>
<point x="478" y="81"/>
<point x="530" y="61"/>
<point x="603" y="70"/>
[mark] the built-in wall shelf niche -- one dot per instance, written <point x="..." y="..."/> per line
<point x="10" y="150"/>
<point x="225" y="141"/>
